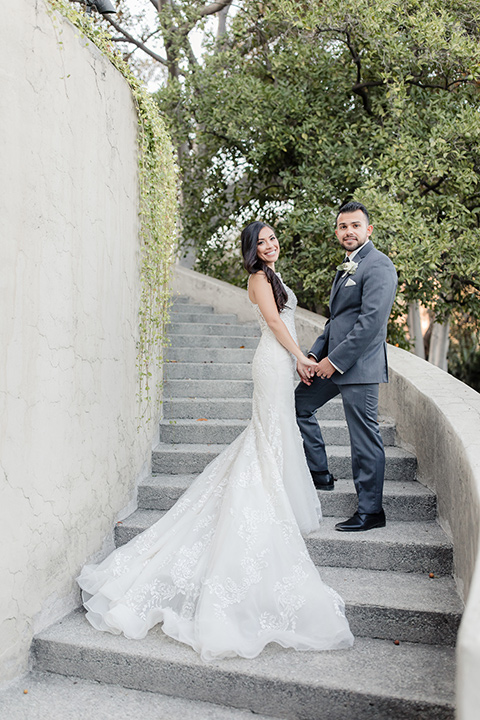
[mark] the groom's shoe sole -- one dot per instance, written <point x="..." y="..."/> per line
<point x="323" y="482"/>
<point x="360" y="523"/>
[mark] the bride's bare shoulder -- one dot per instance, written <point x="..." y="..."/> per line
<point x="255" y="281"/>
<point x="258" y="277"/>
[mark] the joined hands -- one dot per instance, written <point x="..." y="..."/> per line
<point x="308" y="368"/>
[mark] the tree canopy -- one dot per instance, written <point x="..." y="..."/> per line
<point x="302" y="106"/>
<point x="298" y="106"/>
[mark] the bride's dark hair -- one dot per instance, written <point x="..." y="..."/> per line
<point x="253" y="264"/>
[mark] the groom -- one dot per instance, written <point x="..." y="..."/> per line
<point x="352" y="361"/>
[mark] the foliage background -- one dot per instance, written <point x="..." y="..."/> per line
<point x="296" y="107"/>
<point x="302" y="106"/>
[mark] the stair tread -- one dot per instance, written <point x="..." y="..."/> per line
<point x="195" y="421"/>
<point x="205" y="328"/>
<point x="414" y="533"/>
<point x="222" y="422"/>
<point x="411" y="673"/>
<point x="395" y="590"/>
<point x="187" y="364"/>
<point x="227" y="355"/>
<point x="188" y="308"/>
<point x="392" y="487"/>
<point x="403" y="499"/>
<point x="192" y="340"/>
<point x="226" y="400"/>
<point x="205" y="380"/>
<point x="338" y="450"/>
<point x="200" y="316"/>
<point x="57" y="697"/>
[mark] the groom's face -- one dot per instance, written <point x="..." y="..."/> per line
<point x="352" y="230"/>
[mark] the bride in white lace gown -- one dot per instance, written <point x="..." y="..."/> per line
<point x="226" y="570"/>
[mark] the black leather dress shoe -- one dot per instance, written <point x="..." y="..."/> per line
<point x="359" y="522"/>
<point x="323" y="481"/>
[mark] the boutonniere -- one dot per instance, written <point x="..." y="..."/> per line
<point x="349" y="267"/>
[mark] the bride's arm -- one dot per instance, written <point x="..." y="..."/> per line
<point x="262" y="295"/>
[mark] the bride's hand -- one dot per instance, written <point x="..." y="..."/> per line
<point x="306" y="369"/>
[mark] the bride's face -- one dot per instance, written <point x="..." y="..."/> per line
<point x="268" y="248"/>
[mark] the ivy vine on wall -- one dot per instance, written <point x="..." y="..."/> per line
<point x="158" y="207"/>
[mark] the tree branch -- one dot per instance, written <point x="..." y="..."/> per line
<point x="214" y="7"/>
<point x="136" y="42"/>
<point x="359" y="88"/>
<point x="372" y="83"/>
<point x="204" y="12"/>
<point x="222" y="22"/>
<point x="434" y="187"/>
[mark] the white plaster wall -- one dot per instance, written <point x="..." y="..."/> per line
<point x="70" y="453"/>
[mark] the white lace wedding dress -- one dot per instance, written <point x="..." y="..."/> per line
<point x="226" y="569"/>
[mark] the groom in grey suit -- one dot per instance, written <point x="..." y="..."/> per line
<point x="352" y="361"/>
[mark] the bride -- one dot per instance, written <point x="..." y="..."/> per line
<point x="226" y="570"/>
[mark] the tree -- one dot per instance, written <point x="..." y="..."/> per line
<point x="301" y="106"/>
<point x="308" y="105"/>
<point x="161" y="37"/>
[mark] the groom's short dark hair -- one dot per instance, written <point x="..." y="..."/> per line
<point x="353" y="207"/>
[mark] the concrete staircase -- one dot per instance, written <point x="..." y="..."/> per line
<point x="401" y="599"/>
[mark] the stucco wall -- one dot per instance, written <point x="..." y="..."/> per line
<point x="70" y="453"/>
<point x="439" y="418"/>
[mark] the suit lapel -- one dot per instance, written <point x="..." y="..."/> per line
<point x="335" y="286"/>
<point x="339" y="281"/>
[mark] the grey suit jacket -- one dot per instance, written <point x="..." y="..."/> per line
<point x="360" y="305"/>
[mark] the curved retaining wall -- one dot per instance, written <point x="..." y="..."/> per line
<point x="438" y="418"/>
<point x="70" y="453"/>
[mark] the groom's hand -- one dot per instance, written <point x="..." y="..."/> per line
<point x="324" y="369"/>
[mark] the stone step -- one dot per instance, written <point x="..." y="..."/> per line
<point x="207" y="371"/>
<point x="197" y="328"/>
<point x="409" y="607"/>
<point x="192" y="398"/>
<point x="210" y="355"/>
<point x="56" y="697"/>
<point x="401" y="501"/>
<point x="207" y="389"/>
<point x="193" y="408"/>
<point x="231" y="408"/>
<point x="200" y="431"/>
<point x="186" y="308"/>
<point x="374" y="679"/>
<point x="409" y="547"/>
<point x="204" y="430"/>
<point x="185" y="459"/>
<point x="213" y="341"/>
<point x="193" y="316"/>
